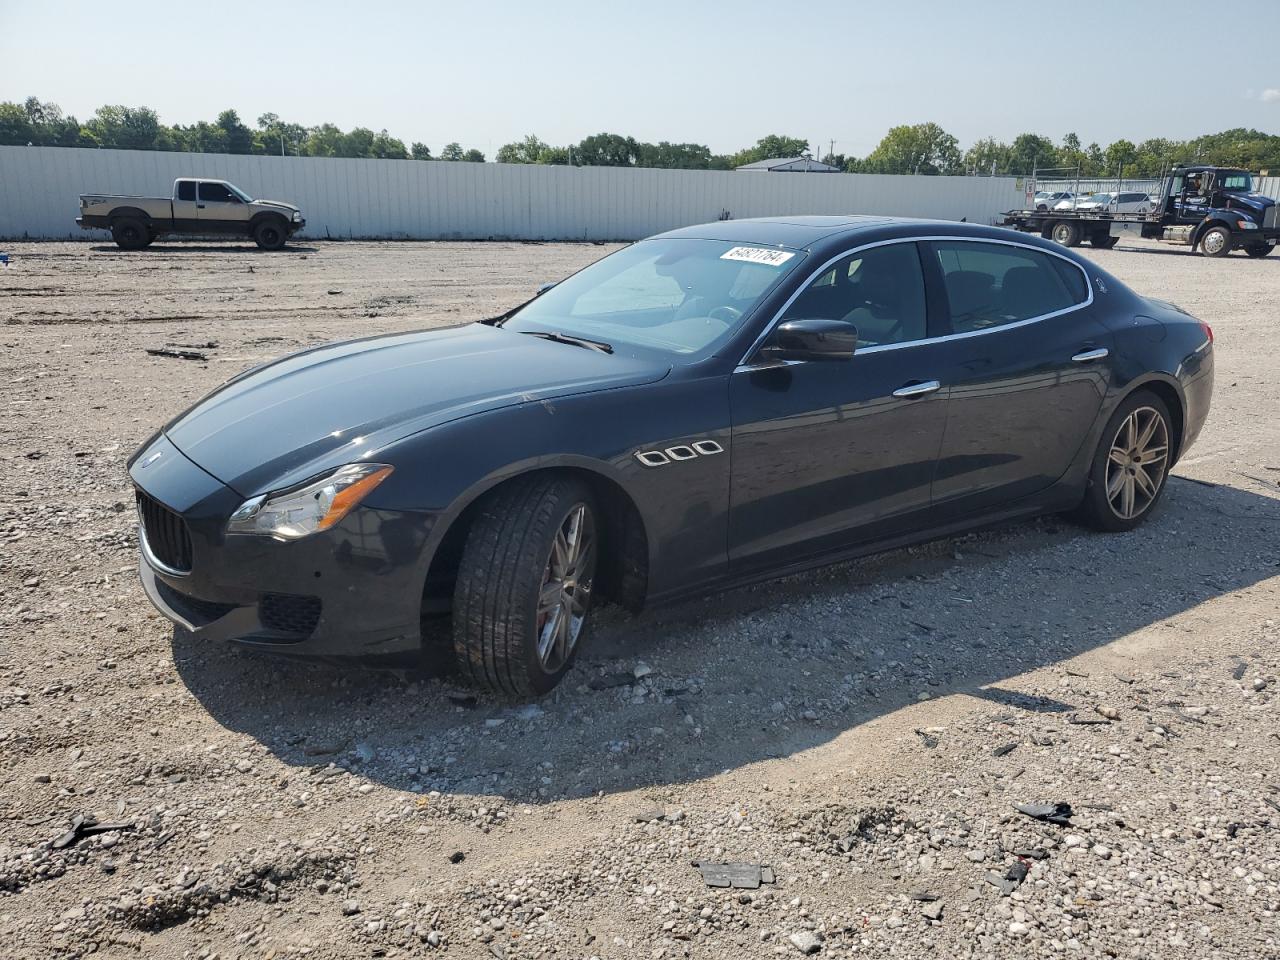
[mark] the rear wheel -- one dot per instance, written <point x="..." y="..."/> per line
<point x="1259" y="249"/>
<point x="1215" y="242"/>
<point x="1130" y="466"/>
<point x="1066" y="233"/>
<point x="270" y="234"/>
<point x="130" y="233"/>
<point x="523" y="590"/>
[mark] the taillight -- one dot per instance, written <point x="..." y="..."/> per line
<point x="1208" y="330"/>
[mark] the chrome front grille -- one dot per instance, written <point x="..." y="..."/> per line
<point x="1270" y="218"/>
<point x="165" y="535"/>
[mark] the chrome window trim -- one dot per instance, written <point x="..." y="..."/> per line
<point x="744" y="365"/>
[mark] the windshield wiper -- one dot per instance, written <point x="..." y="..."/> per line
<point x="572" y="341"/>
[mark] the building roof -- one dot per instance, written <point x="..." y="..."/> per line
<point x="791" y="165"/>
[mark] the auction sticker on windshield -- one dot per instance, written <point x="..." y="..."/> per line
<point x="770" y="258"/>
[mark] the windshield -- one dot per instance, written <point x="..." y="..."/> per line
<point x="675" y="296"/>
<point x="1236" y="180"/>
<point x="239" y="193"/>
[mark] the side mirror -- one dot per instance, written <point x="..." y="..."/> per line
<point x="814" y="338"/>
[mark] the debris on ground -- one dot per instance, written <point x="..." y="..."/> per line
<point x="740" y="876"/>
<point x="1011" y="879"/>
<point x="806" y="941"/>
<point x="177" y="354"/>
<point x="83" y="826"/>
<point x="1056" y="813"/>
<point x="928" y="739"/>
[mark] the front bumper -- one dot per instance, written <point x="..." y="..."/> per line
<point x="296" y="225"/>
<point x="352" y="591"/>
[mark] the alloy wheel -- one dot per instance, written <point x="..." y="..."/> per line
<point x="1136" y="462"/>
<point x="566" y="589"/>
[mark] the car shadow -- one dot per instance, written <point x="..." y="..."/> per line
<point x="761" y="672"/>
<point x="180" y="248"/>
<point x="1181" y="250"/>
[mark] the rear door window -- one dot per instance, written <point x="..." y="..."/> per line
<point x="186" y="190"/>
<point x="990" y="285"/>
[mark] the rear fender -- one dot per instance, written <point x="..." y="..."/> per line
<point x="121" y="213"/>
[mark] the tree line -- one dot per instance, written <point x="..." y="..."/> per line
<point x="139" y="128"/>
<point x="922" y="148"/>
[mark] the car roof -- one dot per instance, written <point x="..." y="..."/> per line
<point x="799" y="232"/>
<point x="816" y="233"/>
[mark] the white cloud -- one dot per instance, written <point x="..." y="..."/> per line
<point x="1269" y="95"/>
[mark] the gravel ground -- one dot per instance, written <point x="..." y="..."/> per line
<point x="865" y="731"/>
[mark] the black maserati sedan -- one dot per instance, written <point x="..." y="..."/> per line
<point x="712" y="406"/>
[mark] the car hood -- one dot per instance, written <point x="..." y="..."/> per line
<point x="278" y="204"/>
<point x="1254" y="201"/>
<point x="290" y="419"/>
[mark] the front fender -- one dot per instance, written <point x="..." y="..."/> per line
<point x="682" y="504"/>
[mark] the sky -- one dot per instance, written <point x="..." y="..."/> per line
<point x="487" y="72"/>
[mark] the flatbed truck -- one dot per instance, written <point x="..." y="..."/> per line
<point x="1213" y="210"/>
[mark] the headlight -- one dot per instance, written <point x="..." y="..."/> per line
<point x="297" y="215"/>
<point x="305" y="510"/>
<point x="1246" y="225"/>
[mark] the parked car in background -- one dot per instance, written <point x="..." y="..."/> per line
<point x="197" y="207"/>
<point x="1044" y="200"/>
<point x="713" y="406"/>
<point x="1090" y="201"/>
<point x="1131" y="202"/>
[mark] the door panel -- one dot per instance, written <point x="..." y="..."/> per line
<point x="827" y="453"/>
<point x="219" y="210"/>
<point x="1024" y="392"/>
<point x="184" y="206"/>
<point x="824" y="454"/>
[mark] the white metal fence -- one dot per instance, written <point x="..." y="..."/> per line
<point x="409" y="199"/>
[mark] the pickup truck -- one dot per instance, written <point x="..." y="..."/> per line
<point x="197" y="207"/>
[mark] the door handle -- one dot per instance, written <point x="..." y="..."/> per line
<point x="1090" y="355"/>
<point x="917" y="389"/>
<point x="199" y="206"/>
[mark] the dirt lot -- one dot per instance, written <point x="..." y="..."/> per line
<point x="865" y="730"/>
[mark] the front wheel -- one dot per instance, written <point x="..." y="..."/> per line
<point x="1130" y="466"/>
<point x="270" y="235"/>
<point x="523" y="590"/>
<point x="1216" y="242"/>
<point x="1259" y="250"/>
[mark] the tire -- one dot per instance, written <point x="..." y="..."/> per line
<point x="510" y="634"/>
<point x="270" y="234"/>
<point x="1103" y="241"/>
<point x="1107" y="504"/>
<point x="1215" y="242"/>
<point x="1259" y="250"/>
<point x="130" y="233"/>
<point x="1066" y="233"/>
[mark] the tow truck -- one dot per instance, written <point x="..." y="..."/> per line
<point x="1210" y="209"/>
